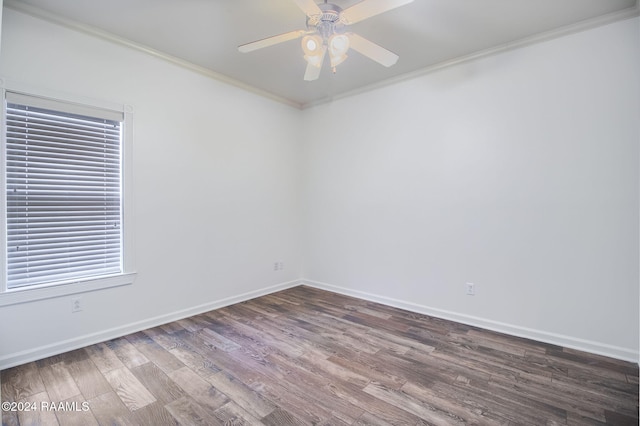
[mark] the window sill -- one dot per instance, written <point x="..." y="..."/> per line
<point x="14" y="297"/>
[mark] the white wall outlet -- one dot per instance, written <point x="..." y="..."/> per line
<point x="471" y="289"/>
<point x="278" y="266"/>
<point x="76" y="305"/>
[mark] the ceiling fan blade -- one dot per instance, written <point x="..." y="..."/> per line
<point x="270" y="41"/>
<point x="309" y="7"/>
<point x="313" y="72"/>
<point x="372" y="50"/>
<point x="368" y="8"/>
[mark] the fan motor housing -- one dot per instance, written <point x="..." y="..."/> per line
<point x="327" y="23"/>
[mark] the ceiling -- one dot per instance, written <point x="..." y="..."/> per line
<point x="204" y="34"/>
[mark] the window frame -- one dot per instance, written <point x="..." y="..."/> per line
<point x="128" y="274"/>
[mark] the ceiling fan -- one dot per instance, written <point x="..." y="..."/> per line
<point x="327" y="32"/>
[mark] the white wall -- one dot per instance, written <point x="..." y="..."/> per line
<point x="1" y="8"/>
<point x="517" y="172"/>
<point x="216" y="201"/>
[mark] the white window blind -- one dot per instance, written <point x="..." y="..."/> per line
<point x="63" y="191"/>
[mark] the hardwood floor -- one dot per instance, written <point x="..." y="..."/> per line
<point x="305" y="356"/>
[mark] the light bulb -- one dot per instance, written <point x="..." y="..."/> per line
<point x="311" y="44"/>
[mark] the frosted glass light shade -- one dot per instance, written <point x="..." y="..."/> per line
<point x="338" y="44"/>
<point x="315" y="60"/>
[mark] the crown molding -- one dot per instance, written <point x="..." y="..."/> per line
<point x="105" y="35"/>
<point x="585" y="25"/>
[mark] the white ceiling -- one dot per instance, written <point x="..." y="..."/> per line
<point x="425" y="34"/>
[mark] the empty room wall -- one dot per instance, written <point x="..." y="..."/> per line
<point x="517" y="172"/>
<point x="215" y="198"/>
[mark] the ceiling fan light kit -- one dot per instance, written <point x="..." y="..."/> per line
<point x="338" y="47"/>
<point x="327" y="32"/>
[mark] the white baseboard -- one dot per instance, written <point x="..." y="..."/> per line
<point x="514" y="330"/>
<point x="11" y="360"/>
<point x="41" y="352"/>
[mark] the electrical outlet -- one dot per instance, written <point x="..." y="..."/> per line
<point x="76" y="305"/>
<point x="278" y="266"/>
<point x="471" y="289"/>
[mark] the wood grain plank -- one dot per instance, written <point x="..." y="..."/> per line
<point x="198" y="389"/>
<point x="20" y="382"/>
<point x="380" y="409"/>
<point x="185" y="353"/>
<point x="88" y="378"/>
<point x="577" y="420"/>
<point x="506" y="404"/>
<point x="75" y="413"/>
<point x="280" y="417"/>
<point x="333" y="421"/>
<point x="368" y="419"/>
<point x="315" y="387"/>
<point x="491" y="362"/>
<point x="171" y="327"/>
<point x="245" y="371"/>
<point x="154" y="414"/>
<point x="231" y="414"/>
<point x="459" y="408"/>
<point x="187" y="411"/>
<point x="217" y="341"/>
<point x="129" y="389"/>
<point x="244" y="396"/>
<point x="157" y="383"/>
<point x="103" y="357"/>
<point x="157" y="354"/>
<point x="620" y="419"/>
<point x="422" y="409"/>
<point x="38" y="416"/>
<point x="297" y="405"/>
<point x="190" y="324"/>
<point x="516" y="344"/>
<point x="127" y="353"/>
<point x="258" y="331"/>
<point x="269" y="379"/>
<point x="600" y="361"/>
<point x="540" y="393"/>
<point x="9" y="418"/>
<point x="320" y="362"/>
<point x="108" y="409"/>
<point x="58" y="381"/>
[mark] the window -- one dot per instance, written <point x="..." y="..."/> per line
<point x="63" y="205"/>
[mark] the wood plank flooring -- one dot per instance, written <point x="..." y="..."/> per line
<point x="304" y="356"/>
